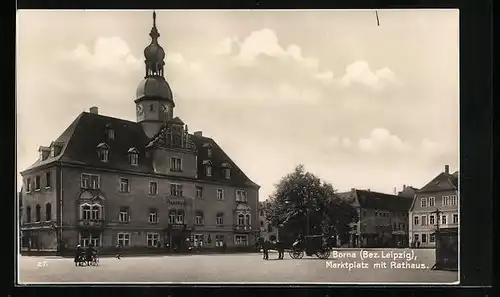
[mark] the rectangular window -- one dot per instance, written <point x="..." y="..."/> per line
<point x="455" y="218"/>
<point x="199" y="219"/>
<point x="48" y="179"/>
<point x="432" y="238"/>
<point x="241" y="240"/>
<point x="453" y="200"/>
<point x="415" y="220"/>
<point x="37" y="183"/>
<point x="124" y="215"/>
<point x="208" y="170"/>
<point x="423" y="202"/>
<point x="89" y="181"/>
<point x="432" y="201"/>
<point x="123" y="239"/>
<point x="124" y="185"/>
<point x="220" y="194"/>
<point x="416" y="237"/>
<point x="175" y="164"/>
<point x="446" y="200"/>
<point x="153" y="188"/>
<point x="424" y="238"/>
<point x="94" y="181"/>
<point x="220" y="220"/>
<point x="171" y="217"/>
<point x="153" y="239"/>
<point x="176" y="190"/>
<point x="443" y="220"/>
<point x="219" y="240"/>
<point x="432" y="220"/>
<point x="86" y="212"/>
<point x="209" y="152"/>
<point x="104" y="154"/>
<point x="199" y="193"/>
<point x="424" y="220"/>
<point x="179" y="218"/>
<point x="28" y="185"/>
<point x="241" y="196"/>
<point x="153" y="216"/>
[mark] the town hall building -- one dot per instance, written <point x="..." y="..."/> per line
<point x="148" y="184"/>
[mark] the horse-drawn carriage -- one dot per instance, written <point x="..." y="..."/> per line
<point x="310" y="245"/>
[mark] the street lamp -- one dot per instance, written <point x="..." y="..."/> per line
<point x="437" y="212"/>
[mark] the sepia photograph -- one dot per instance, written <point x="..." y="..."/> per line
<point x="237" y="147"/>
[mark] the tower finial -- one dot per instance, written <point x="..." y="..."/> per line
<point x="154" y="18"/>
<point x="154" y="31"/>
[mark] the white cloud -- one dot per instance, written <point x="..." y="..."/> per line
<point x="325" y="77"/>
<point x="346" y="142"/>
<point x="360" y="72"/>
<point x="108" y="53"/>
<point x="174" y="57"/>
<point x="226" y="46"/>
<point x="381" y="139"/>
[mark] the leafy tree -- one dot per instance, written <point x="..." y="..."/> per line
<point x="302" y="203"/>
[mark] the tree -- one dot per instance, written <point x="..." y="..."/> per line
<point x="302" y="203"/>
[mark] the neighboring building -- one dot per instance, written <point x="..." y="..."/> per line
<point x="267" y="231"/>
<point x="20" y="215"/>
<point x="435" y="206"/>
<point x="143" y="184"/>
<point x="408" y="191"/>
<point x="383" y="219"/>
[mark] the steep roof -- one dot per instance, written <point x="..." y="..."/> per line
<point x="442" y="182"/>
<point x="81" y="138"/>
<point x="375" y="200"/>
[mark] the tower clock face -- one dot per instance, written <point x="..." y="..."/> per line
<point x="164" y="108"/>
<point x="140" y="109"/>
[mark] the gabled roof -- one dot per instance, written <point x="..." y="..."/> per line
<point x="375" y="200"/>
<point x="442" y="182"/>
<point x="87" y="131"/>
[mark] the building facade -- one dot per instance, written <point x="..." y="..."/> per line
<point x="435" y="206"/>
<point x="146" y="184"/>
<point x="267" y="231"/>
<point x="383" y="219"/>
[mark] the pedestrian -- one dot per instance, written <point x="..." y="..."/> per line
<point x="118" y="251"/>
<point x="418" y="244"/>
<point x="265" y="249"/>
<point x="280" y="246"/>
<point x="78" y="254"/>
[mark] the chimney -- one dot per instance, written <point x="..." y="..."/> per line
<point x="447" y="169"/>
<point x="198" y="133"/>
<point x="404" y="187"/>
<point x="94" y="110"/>
<point x="353" y="189"/>
<point x="395" y="191"/>
<point x="368" y="190"/>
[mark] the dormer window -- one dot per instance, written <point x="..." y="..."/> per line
<point x="110" y="133"/>
<point x="208" y="167"/>
<point x="103" y="152"/>
<point x="44" y="152"/>
<point x="226" y="170"/>
<point x="208" y="147"/>
<point x="133" y="157"/>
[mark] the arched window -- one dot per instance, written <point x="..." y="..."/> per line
<point x="37" y="213"/>
<point x="241" y="219"/>
<point x="133" y="157"/>
<point x="86" y="211"/>
<point x="28" y="214"/>
<point x="208" y="167"/>
<point x="48" y="212"/>
<point x="247" y="220"/>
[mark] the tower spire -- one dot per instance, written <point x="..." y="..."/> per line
<point x="154" y="53"/>
<point x="154" y="31"/>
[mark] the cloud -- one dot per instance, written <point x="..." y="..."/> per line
<point x="381" y="139"/>
<point x="359" y="72"/>
<point x="226" y="46"/>
<point x="108" y="53"/>
<point x="265" y="42"/>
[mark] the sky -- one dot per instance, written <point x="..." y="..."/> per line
<point x="360" y="105"/>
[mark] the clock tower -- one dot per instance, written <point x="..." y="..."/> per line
<point x="154" y="100"/>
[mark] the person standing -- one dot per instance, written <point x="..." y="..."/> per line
<point x="118" y="251"/>
<point x="78" y="254"/>
<point x="280" y="246"/>
<point x="265" y="249"/>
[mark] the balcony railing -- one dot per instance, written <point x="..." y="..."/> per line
<point x="243" y="228"/>
<point x="89" y="223"/>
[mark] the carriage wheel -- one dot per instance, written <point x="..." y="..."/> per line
<point x="296" y="254"/>
<point x="324" y="254"/>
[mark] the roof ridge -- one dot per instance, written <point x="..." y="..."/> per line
<point x="105" y="116"/>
